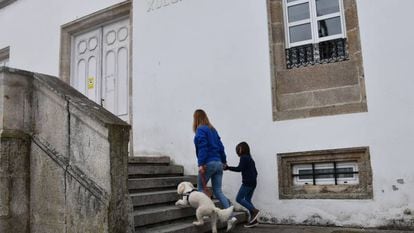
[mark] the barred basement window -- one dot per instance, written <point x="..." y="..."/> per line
<point x="325" y="173"/>
<point x="315" y="32"/>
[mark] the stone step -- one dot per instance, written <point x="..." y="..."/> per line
<point x="186" y="226"/>
<point x="153" y="215"/>
<point x="155" y="171"/>
<point x="138" y="184"/>
<point x="155" y="197"/>
<point x="160" y="160"/>
<point x="146" y="215"/>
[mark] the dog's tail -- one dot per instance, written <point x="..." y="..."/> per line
<point x="224" y="214"/>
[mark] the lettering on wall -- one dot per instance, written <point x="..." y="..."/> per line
<point x="158" y="4"/>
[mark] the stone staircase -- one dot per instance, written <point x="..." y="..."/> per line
<point x="153" y="189"/>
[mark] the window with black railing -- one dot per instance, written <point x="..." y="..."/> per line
<point x="311" y="54"/>
<point x="325" y="173"/>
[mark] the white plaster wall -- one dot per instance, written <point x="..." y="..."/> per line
<point x="32" y="30"/>
<point x="214" y="54"/>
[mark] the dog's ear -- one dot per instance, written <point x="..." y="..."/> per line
<point x="190" y="185"/>
<point x="180" y="188"/>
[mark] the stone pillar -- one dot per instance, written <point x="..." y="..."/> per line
<point x="15" y="122"/>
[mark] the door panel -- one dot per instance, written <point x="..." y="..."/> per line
<point x="116" y="72"/>
<point x="86" y="64"/>
<point x="109" y="81"/>
<point x="122" y="81"/>
<point x="81" y="75"/>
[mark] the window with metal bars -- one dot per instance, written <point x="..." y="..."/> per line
<point x="325" y="173"/>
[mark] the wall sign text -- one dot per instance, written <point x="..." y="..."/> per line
<point x="158" y="4"/>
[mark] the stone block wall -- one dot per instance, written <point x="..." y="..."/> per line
<point x="14" y="182"/>
<point x="71" y="159"/>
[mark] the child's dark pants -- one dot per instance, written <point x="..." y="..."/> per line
<point x="244" y="197"/>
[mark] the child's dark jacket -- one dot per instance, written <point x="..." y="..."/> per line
<point x="248" y="169"/>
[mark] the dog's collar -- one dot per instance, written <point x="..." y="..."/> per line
<point x="187" y="194"/>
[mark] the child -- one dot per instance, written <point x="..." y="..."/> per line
<point x="249" y="174"/>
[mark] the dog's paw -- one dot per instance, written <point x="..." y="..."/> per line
<point x="198" y="223"/>
<point x="180" y="206"/>
<point x="180" y="203"/>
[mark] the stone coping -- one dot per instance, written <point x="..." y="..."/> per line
<point x="75" y="98"/>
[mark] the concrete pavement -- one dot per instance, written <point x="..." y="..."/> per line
<point x="266" y="228"/>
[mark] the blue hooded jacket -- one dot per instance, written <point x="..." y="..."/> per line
<point x="208" y="146"/>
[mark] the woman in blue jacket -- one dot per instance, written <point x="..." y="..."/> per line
<point x="211" y="158"/>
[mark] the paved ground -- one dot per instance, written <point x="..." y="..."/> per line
<point x="265" y="228"/>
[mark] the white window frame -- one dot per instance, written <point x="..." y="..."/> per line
<point x="326" y="181"/>
<point x="313" y="20"/>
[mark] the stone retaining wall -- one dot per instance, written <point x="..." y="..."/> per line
<point x="63" y="157"/>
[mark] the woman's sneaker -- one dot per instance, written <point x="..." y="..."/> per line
<point x="252" y="224"/>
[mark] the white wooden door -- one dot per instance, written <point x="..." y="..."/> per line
<point x="86" y="64"/>
<point x="100" y="66"/>
<point x="115" y="86"/>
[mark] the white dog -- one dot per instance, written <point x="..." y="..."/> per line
<point x="203" y="204"/>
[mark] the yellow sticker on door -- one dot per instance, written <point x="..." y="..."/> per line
<point x="91" y="82"/>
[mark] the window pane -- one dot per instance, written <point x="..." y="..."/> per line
<point x="305" y="174"/>
<point x="329" y="27"/>
<point x="346" y="169"/>
<point x="324" y="7"/>
<point x="298" y="12"/>
<point x="330" y="172"/>
<point x="291" y="0"/>
<point x="300" y="33"/>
